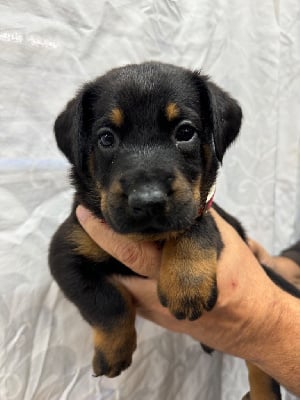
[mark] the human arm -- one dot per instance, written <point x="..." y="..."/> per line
<point x="252" y="319"/>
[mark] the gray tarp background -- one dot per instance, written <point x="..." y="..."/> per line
<point x="49" y="48"/>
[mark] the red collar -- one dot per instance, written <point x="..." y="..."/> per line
<point x="209" y="200"/>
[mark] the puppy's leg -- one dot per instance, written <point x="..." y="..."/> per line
<point x="262" y="386"/>
<point x="82" y="271"/>
<point x="187" y="280"/>
<point x="115" y="342"/>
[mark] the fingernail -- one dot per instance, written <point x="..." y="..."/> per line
<point x="82" y="214"/>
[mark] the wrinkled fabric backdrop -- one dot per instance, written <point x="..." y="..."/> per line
<point x="47" y="50"/>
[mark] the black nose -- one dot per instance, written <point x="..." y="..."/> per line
<point x="147" y="201"/>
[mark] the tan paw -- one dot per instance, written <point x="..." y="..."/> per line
<point x="113" y="352"/>
<point x="187" y="297"/>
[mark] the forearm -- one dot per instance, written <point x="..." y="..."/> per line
<point x="279" y="356"/>
<point x="261" y="325"/>
<point x="268" y="335"/>
<point x="265" y="334"/>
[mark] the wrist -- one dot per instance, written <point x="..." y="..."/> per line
<point x="279" y="350"/>
<point x="264" y="328"/>
<point x="251" y="313"/>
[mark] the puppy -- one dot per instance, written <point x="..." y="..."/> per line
<point x="145" y="143"/>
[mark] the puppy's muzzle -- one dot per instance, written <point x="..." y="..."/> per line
<point x="147" y="201"/>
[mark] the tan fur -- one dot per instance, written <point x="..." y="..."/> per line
<point x="181" y="187"/>
<point x="172" y="111"/>
<point x="103" y="203"/>
<point x="187" y="272"/>
<point x="260" y="384"/>
<point x="118" y="342"/>
<point x="184" y="191"/>
<point x="196" y="190"/>
<point x="117" y="117"/>
<point x="85" y="246"/>
<point x="116" y="190"/>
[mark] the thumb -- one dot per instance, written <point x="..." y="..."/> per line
<point x="142" y="257"/>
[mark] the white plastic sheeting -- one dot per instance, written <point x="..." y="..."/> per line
<point x="49" y="48"/>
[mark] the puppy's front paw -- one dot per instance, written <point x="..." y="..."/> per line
<point x="187" y="278"/>
<point x="246" y="396"/>
<point x="187" y="296"/>
<point x="111" y="364"/>
<point x="113" y="353"/>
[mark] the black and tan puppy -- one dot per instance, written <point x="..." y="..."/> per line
<point x="145" y="142"/>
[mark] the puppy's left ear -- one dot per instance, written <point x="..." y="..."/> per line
<point x="226" y="116"/>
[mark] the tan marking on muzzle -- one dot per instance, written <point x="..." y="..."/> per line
<point x="115" y="191"/>
<point x="186" y="191"/>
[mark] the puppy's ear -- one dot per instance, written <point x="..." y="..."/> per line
<point x="72" y="126"/>
<point x="226" y="117"/>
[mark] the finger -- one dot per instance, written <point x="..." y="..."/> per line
<point x="144" y="291"/>
<point x="255" y="247"/>
<point x="260" y="252"/>
<point x="141" y="257"/>
<point x="229" y="237"/>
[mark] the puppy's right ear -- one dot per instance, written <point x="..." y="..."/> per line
<point x="73" y="125"/>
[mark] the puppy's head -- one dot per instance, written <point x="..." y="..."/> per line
<point x="145" y="142"/>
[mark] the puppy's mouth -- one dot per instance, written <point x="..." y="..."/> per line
<point x="149" y="229"/>
<point x="176" y="218"/>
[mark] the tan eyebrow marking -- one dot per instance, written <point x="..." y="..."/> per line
<point x="117" y="117"/>
<point x="172" y="111"/>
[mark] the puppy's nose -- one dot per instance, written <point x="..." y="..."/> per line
<point x="147" y="201"/>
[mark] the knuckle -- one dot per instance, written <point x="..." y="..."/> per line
<point x="128" y="254"/>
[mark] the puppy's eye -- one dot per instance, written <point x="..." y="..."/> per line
<point x="106" y="138"/>
<point x="185" y="133"/>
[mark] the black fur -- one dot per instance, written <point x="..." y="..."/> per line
<point x="151" y="181"/>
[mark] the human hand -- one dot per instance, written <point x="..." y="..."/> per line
<point x="283" y="266"/>
<point x="239" y="313"/>
<point x="251" y="316"/>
